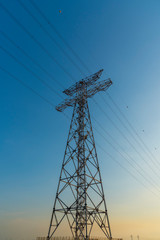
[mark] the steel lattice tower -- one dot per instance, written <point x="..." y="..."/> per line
<point x="80" y="195"/>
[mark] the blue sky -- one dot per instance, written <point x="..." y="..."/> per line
<point x="123" y="38"/>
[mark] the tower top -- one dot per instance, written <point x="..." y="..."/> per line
<point x="87" y="86"/>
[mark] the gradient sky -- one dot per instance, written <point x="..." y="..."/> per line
<point x="123" y="37"/>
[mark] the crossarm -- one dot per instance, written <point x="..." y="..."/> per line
<point x="66" y="103"/>
<point x="87" y="81"/>
<point x="100" y="86"/>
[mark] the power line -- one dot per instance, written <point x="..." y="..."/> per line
<point x="30" y="88"/>
<point x="29" y="70"/>
<point x="60" y="36"/>
<point x="35" y="40"/>
<point x="126" y="138"/>
<point x="124" y="168"/>
<point x="27" y="86"/>
<point x="127" y="129"/>
<point x="130" y="163"/>
<point x="131" y="126"/>
<point x="31" y="58"/>
<point x="123" y="150"/>
<point x="50" y="36"/>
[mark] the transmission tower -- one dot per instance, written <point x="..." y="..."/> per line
<point x="80" y="195"/>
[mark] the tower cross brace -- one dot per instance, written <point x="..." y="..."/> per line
<point x="80" y="200"/>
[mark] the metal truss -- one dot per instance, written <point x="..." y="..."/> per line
<point x="91" y="88"/>
<point x="80" y="195"/>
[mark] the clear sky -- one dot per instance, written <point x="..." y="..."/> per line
<point x="123" y="37"/>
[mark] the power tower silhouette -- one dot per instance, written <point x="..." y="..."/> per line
<point x="80" y="195"/>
